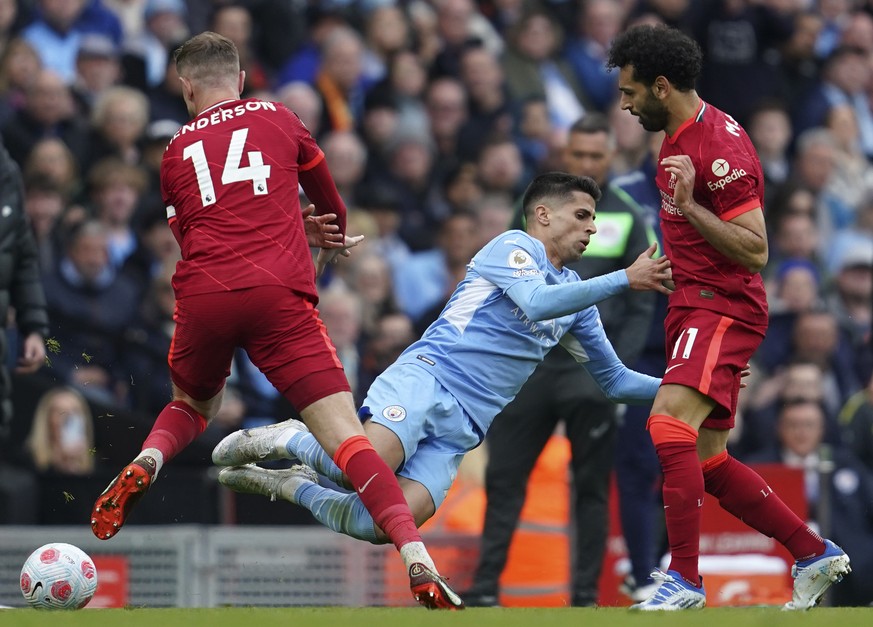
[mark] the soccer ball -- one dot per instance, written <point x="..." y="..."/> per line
<point x="58" y="576"/>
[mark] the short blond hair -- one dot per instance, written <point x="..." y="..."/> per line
<point x="208" y="58"/>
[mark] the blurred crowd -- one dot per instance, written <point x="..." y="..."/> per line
<point x="433" y="116"/>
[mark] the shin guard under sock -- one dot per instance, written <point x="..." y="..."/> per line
<point x="377" y="487"/>
<point x="676" y="445"/>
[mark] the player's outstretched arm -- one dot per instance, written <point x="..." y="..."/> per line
<point x="540" y="301"/>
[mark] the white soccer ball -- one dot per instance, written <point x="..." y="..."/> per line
<point x="58" y="576"/>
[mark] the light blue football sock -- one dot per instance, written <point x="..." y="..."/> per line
<point x="341" y="512"/>
<point x="306" y="448"/>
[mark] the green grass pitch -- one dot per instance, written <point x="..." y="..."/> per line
<point x="415" y="617"/>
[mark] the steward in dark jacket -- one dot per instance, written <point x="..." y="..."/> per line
<point x="20" y="287"/>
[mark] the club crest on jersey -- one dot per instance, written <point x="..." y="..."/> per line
<point x="394" y="413"/>
<point x="519" y="258"/>
<point x="722" y="169"/>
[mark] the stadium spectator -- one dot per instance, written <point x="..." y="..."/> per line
<point x="799" y="64"/>
<point x="490" y="107"/>
<point x="61" y="438"/>
<point x="258" y="294"/>
<point x="340" y="81"/>
<point x="58" y="29"/>
<point x="445" y="101"/>
<point x="340" y="310"/>
<point x="533" y="66"/>
<point x="852" y="177"/>
<point x="165" y="98"/>
<point x="599" y="21"/>
<point x="90" y="304"/>
<point x="370" y="279"/>
<point x="851" y="297"/>
<point x="633" y="144"/>
<point x="19" y="66"/>
<point x="412" y="177"/>
<point x="305" y="63"/>
<point x="98" y="67"/>
<point x="118" y="125"/>
<point x="48" y="112"/>
<point x="347" y="156"/>
<point x="234" y="21"/>
<point x="839" y="489"/>
<point x="458" y="26"/>
<point x="427" y="278"/>
<point x="44" y="204"/>
<point x="303" y="100"/>
<point x="115" y="189"/>
<point x="770" y="131"/>
<point x="856" y="424"/>
<point x="165" y="26"/>
<point x="387" y="32"/>
<point x="843" y="80"/>
<point x="500" y="166"/>
<point x="738" y="37"/>
<point x="50" y="158"/>
<point x="406" y="81"/>
<point x="795" y="381"/>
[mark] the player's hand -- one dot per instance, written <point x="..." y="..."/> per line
<point x="332" y="255"/>
<point x="648" y="273"/>
<point x="320" y="233"/>
<point x="32" y="354"/>
<point x="682" y="171"/>
<point x="745" y="372"/>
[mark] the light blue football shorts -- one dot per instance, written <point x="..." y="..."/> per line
<point x="435" y="430"/>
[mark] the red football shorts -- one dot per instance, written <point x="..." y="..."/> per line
<point x="707" y="351"/>
<point x="280" y="331"/>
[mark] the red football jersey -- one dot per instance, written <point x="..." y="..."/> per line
<point x="729" y="182"/>
<point x="230" y="180"/>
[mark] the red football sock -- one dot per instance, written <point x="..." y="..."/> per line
<point x="175" y="428"/>
<point x="676" y="445"/>
<point x="378" y="488"/>
<point x="744" y="493"/>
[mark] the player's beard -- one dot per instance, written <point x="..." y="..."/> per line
<point x="653" y="114"/>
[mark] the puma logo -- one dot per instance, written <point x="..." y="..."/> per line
<point x="364" y="487"/>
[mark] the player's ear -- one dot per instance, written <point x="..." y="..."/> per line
<point x="242" y="80"/>
<point x="541" y="213"/>
<point x="661" y="87"/>
<point x="187" y="88"/>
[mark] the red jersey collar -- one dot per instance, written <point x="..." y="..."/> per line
<point x="698" y="115"/>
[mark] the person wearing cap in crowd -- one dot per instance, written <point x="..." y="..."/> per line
<point x="851" y="296"/>
<point x="165" y="28"/>
<point x="98" y="67"/>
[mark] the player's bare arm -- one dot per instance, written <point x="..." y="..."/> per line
<point x="743" y="239"/>
<point x="648" y="273"/>
<point x="331" y="255"/>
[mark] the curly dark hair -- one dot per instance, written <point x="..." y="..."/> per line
<point x="655" y="51"/>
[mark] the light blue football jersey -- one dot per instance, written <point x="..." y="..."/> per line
<point x="483" y="347"/>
